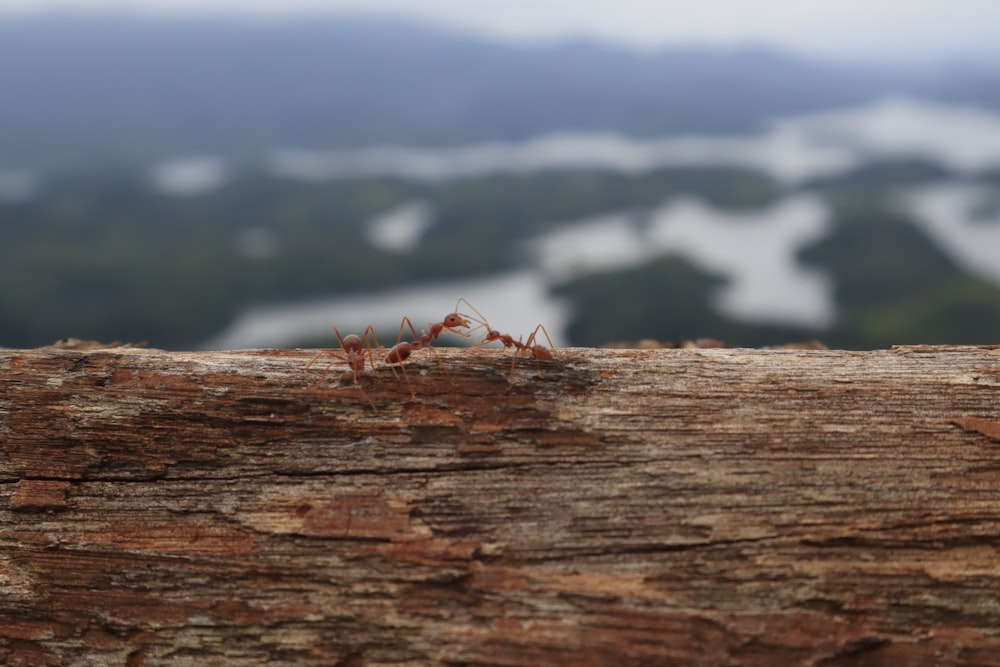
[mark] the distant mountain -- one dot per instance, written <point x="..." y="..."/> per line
<point x="119" y="90"/>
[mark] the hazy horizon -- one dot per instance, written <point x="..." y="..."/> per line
<point x="851" y="30"/>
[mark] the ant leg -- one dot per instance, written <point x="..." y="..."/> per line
<point x="518" y="347"/>
<point x="368" y="349"/>
<point x="401" y="351"/>
<point x="425" y="342"/>
<point x="313" y="360"/>
<point x="402" y="367"/>
<point x="479" y="319"/>
<point x="320" y="353"/>
<point x="441" y="363"/>
<point x="349" y="345"/>
<point x="406" y="378"/>
<point x="364" y="393"/>
<point x="406" y="322"/>
<point x="540" y="351"/>
<point x="399" y="355"/>
<point x="355" y="348"/>
<point x="338" y="357"/>
<point x="537" y="351"/>
<point x="352" y="350"/>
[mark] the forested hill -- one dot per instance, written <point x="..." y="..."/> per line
<point x="121" y="89"/>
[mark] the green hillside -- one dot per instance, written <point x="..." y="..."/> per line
<point x="110" y="260"/>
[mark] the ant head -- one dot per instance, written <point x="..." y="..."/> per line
<point x="352" y="343"/>
<point x="492" y="335"/>
<point x="454" y="320"/>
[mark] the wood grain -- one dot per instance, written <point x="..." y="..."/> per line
<point x="609" y="507"/>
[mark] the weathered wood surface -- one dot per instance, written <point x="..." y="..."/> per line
<point x="703" y="507"/>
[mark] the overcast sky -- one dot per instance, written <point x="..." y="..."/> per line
<point x="911" y="29"/>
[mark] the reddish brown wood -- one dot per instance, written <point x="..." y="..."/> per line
<point x="625" y="507"/>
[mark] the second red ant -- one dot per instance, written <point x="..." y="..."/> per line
<point x="402" y="350"/>
<point x="452" y="323"/>
<point x="537" y="351"/>
<point x="354" y="350"/>
<point x="530" y="346"/>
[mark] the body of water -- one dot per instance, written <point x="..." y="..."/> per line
<point x="754" y="251"/>
<point x="964" y="220"/>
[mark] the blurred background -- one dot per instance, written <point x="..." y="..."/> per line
<point x="219" y="174"/>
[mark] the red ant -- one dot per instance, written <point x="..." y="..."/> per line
<point x="453" y="321"/>
<point x="537" y="351"/>
<point x="402" y="350"/>
<point x="354" y="349"/>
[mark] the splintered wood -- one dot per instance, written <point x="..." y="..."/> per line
<point x="605" y="507"/>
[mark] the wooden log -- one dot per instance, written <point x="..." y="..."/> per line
<point x="609" y="507"/>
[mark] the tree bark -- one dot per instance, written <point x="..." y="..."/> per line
<point x="608" y="507"/>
